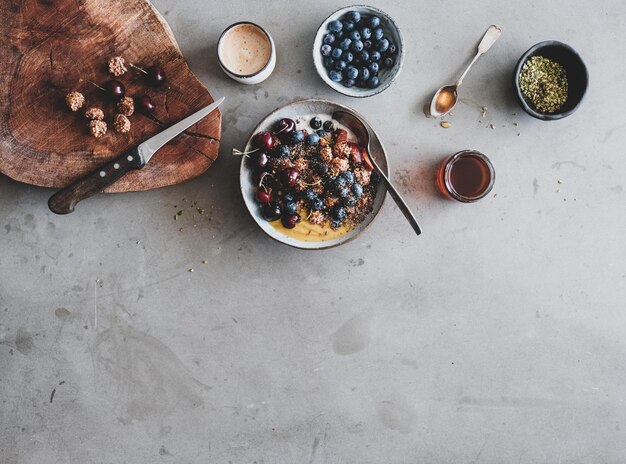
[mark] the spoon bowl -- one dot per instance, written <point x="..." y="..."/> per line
<point x="443" y="101"/>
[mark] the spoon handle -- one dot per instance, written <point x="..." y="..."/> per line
<point x="398" y="199"/>
<point x="490" y="37"/>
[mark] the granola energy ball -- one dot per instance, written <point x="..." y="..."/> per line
<point x="116" y="66"/>
<point x="121" y="123"/>
<point x="126" y="106"/>
<point x="75" y="100"/>
<point x="97" y="128"/>
<point x="94" y="113"/>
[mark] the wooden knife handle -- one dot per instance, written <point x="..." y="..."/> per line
<point x="64" y="201"/>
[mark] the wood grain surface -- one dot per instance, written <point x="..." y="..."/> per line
<point x="50" y="47"/>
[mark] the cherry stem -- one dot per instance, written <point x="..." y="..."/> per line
<point x="138" y="68"/>
<point x="95" y="85"/>
<point x="243" y="153"/>
<point x="263" y="178"/>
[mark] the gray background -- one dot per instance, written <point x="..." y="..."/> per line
<point x="496" y="336"/>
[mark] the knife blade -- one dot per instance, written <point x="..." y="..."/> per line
<point x="65" y="200"/>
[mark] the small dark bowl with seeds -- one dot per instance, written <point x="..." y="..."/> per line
<point x="550" y="80"/>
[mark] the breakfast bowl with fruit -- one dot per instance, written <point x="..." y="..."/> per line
<point x="305" y="178"/>
<point x="358" y="51"/>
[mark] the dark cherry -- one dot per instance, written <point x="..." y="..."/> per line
<point x="290" y="177"/>
<point x="145" y="104"/>
<point x="155" y="76"/>
<point x="115" y="89"/>
<point x="260" y="159"/>
<point x="264" y="196"/>
<point x="284" y="126"/>
<point x="263" y="140"/>
<point x="290" y="220"/>
<point x="270" y="212"/>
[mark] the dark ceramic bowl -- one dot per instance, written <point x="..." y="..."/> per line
<point x="577" y="78"/>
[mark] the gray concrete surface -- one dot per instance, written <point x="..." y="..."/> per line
<point x="497" y="336"/>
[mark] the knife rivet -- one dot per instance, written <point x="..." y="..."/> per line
<point x="130" y="158"/>
<point x="116" y="166"/>
<point x="102" y="173"/>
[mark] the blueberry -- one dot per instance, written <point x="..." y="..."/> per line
<point x="344" y="44"/>
<point x="353" y="17"/>
<point x="289" y="196"/>
<point x="351" y="72"/>
<point x="373" y="67"/>
<point x="308" y="194"/>
<point x="378" y="33"/>
<point x="349" y="83"/>
<point x="316" y="204"/>
<point x="329" y="38"/>
<point x="339" y="213"/>
<point x="315" y="123"/>
<point x="364" y="73"/>
<point x="297" y="136"/>
<point x="357" y="189"/>
<point x="347" y="26"/>
<point x="364" y="55"/>
<point x="328" y="62"/>
<point x="326" y="50"/>
<point x="341" y="65"/>
<point x="383" y="45"/>
<point x="343" y="193"/>
<point x="357" y="46"/>
<point x="313" y="139"/>
<point x="329" y="126"/>
<point x="348" y="57"/>
<point x="335" y="75"/>
<point x="367" y="44"/>
<point x="336" y="224"/>
<point x="393" y="48"/>
<point x="335" y="26"/>
<point x="388" y="62"/>
<point x="374" y="21"/>
<point x="355" y="35"/>
<point x="336" y="53"/>
<point x="339" y="183"/>
<point x="290" y="207"/>
<point x="321" y="132"/>
<point x="349" y="177"/>
<point x="366" y="33"/>
<point x="283" y="151"/>
<point x="270" y="212"/>
<point x="374" y="82"/>
<point x="374" y="56"/>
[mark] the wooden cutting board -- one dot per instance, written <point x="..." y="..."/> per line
<point x="50" y="47"/>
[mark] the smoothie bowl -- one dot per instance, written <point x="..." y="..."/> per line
<point x="304" y="178"/>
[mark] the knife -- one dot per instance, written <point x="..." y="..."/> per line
<point x="64" y="201"/>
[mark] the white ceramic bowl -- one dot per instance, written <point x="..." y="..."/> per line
<point x="258" y="76"/>
<point x="386" y="76"/>
<point x="293" y="110"/>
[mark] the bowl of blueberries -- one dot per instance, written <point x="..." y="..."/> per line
<point x="358" y="51"/>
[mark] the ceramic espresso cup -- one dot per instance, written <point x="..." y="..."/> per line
<point x="246" y="53"/>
